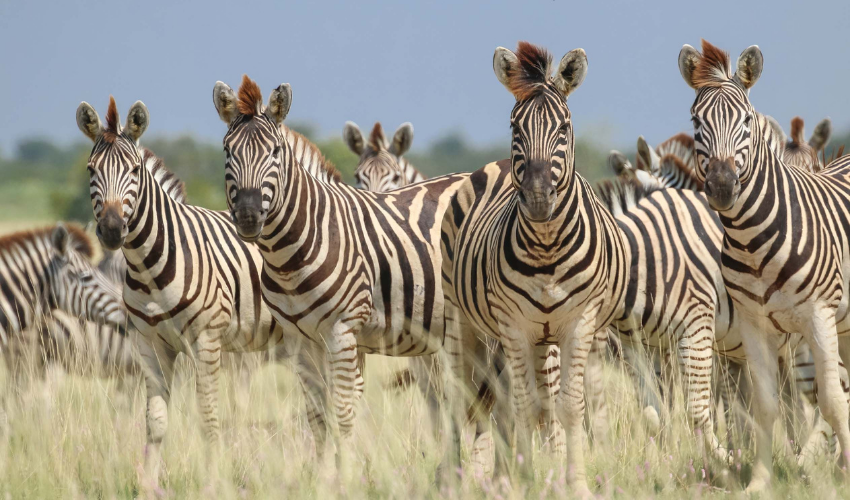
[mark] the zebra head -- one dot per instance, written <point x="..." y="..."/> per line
<point x="542" y="142"/>
<point x="78" y="287"/>
<point x="254" y="151"/>
<point x="723" y="118"/>
<point x="113" y="167"/>
<point x="380" y="168"/>
<point x="802" y="153"/>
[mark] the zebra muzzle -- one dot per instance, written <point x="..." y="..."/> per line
<point x="248" y="214"/>
<point x="111" y="230"/>
<point x="722" y="186"/>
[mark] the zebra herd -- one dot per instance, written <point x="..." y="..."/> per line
<point x="504" y="286"/>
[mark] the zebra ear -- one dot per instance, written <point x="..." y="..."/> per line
<point x="821" y="135"/>
<point x="571" y="71"/>
<point x="618" y="162"/>
<point x="280" y="101"/>
<point x="402" y="139"/>
<point x="88" y="121"/>
<point x="225" y="102"/>
<point x="750" y="64"/>
<point x="648" y="159"/>
<point x="137" y="121"/>
<point x="353" y="138"/>
<point x="689" y="58"/>
<point x="505" y="62"/>
<point x="60" y="239"/>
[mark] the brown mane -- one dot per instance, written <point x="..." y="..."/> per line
<point x="377" y="140"/>
<point x="532" y="73"/>
<point x="80" y="239"/>
<point x="309" y="155"/>
<point x="682" y="138"/>
<point x="713" y="67"/>
<point x="797" y="126"/>
<point x="111" y="130"/>
<point x="250" y="97"/>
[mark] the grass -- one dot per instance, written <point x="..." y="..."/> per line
<point x="81" y="437"/>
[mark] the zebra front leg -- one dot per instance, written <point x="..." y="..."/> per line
<point x="640" y="365"/>
<point x="547" y="365"/>
<point x="157" y="362"/>
<point x="695" y="365"/>
<point x="520" y="358"/>
<point x="594" y="390"/>
<point x="761" y="351"/>
<point x="344" y="361"/>
<point x="575" y="349"/>
<point x="207" y="354"/>
<point x="823" y="342"/>
<point x="310" y="367"/>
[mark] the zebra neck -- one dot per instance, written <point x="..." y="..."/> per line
<point x="24" y="286"/>
<point x="301" y="208"/>
<point x="150" y="225"/>
<point x="745" y="221"/>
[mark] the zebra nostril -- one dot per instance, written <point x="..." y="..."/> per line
<point x="522" y="197"/>
<point x="552" y="192"/>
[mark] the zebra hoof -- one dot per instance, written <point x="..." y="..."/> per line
<point x="652" y="420"/>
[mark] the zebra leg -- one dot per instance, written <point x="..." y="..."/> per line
<point x="547" y="366"/>
<point x="575" y="349"/>
<point x="207" y="353"/>
<point x="310" y="368"/>
<point x="597" y="407"/>
<point x="823" y="342"/>
<point x="157" y="362"/>
<point x="637" y="361"/>
<point x="524" y="396"/>
<point x="761" y="351"/>
<point x="695" y="365"/>
<point x="344" y="361"/>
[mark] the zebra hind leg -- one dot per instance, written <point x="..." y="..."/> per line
<point x="346" y="387"/>
<point x="207" y="357"/>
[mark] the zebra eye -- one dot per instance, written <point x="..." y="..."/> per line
<point x="396" y="177"/>
<point x="748" y="119"/>
<point x="695" y="121"/>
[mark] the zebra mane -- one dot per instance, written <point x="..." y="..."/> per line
<point x="79" y="238"/>
<point x="672" y="166"/>
<point x="713" y="68"/>
<point x="113" y="126"/>
<point x="623" y="193"/>
<point x="250" y="97"/>
<point x="309" y="156"/>
<point x="377" y="139"/>
<point x="167" y="180"/>
<point x="531" y="75"/>
<point x="797" y="131"/>
<point x="680" y="145"/>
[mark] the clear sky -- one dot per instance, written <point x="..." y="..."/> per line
<point x="424" y="62"/>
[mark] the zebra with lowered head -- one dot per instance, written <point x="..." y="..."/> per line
<point x="784" y="258"/>
<point x="48" y="270"/>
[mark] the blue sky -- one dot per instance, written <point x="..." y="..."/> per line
<point x="424" y="62"/>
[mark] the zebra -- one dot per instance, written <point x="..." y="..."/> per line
<point x="47" y="270"/>
<point x="351" y="270"/>
<point x="804" y="153"/>
<point x="528" y="234"/>
<point x="382" y="167"/>
<point x="785" y="247"/>
<point x="191" y="284"/>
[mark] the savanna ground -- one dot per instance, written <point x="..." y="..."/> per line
<point x="71" y="436"/>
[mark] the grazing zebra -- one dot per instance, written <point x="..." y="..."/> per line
<point x="381" y="167"/>
<point x="670" y="165"/>
<point x="48" y="270"/>
<point x="785" y="252"/>
<point x="530" y="255"/>
<point x="352" y="270"/>
<point x="191" y="284"/>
